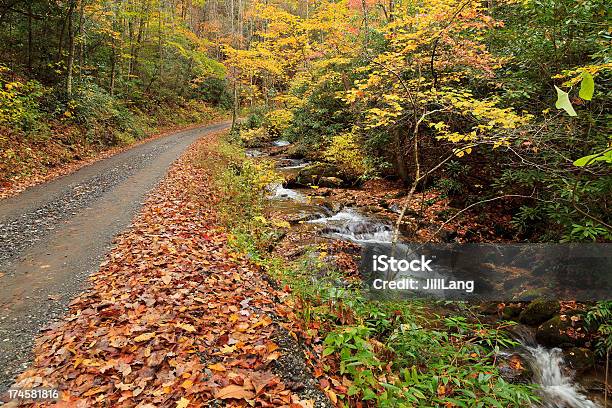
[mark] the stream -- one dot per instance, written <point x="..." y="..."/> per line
<point x="557" y="386"/>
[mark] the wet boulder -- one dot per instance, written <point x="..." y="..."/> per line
<point x="333" y="206"/>
<point x="514" y="369"/>
<point x="579" y="359"/>
<point x="564" y="331"/>
<point x="539" y="311"/>
<point x="327" y="173"/>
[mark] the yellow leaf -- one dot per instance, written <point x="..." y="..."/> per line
<point x="228" y="349"/>
<point x="187" y="327"/>
<point x="182" y="403"/>
<point x="144" y="337"/>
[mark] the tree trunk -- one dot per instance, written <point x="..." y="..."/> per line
<point x="30" y="37"/>
<point x="236" y="102"/>
<point x="72" y="47"/>
<point x="81" y="39"/>
<point x="114" y="45"/>
<point x="366" y="29"/>
<point x="401" y="164"/>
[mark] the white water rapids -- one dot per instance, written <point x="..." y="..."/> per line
<point x="557" y="388"/>
<point x="350" y="225"/>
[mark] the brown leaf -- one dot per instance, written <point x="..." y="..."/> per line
<point x="234" y="392"/>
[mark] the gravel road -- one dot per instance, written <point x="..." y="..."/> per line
<point x="53" y="236"/>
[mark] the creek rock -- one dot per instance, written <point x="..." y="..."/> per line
<point x="579" y="359"/>
<point x="539" y="311"/>
<point x="333" y="206"/>
<point x="303" y="217"/>
<point x="313" y="173"/>
<point x="299" y="151"/>
<point x="490" y="308"/>
<point x="515" y="369"/>
<point x="564" y="331"/>
<point x="512" y="311"/>
<point x="330" y="182"/>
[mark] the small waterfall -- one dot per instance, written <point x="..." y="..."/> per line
<point x="557" y="389"/>
<point x="253" y="153"/>
<point x="281" y="143"/>
<point x="348" y="224"/>
<point x="557" y="386"/>
<point x="281" y="193"/>
<point x="294" y="164"/>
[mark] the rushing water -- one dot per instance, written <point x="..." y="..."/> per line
<point x="279" y="192"/>
<point x="254" y="153"/>
<point x="350" y="225"/>
<point x="557" y="386"/>
<point x="281" y="143"/>
<point x="558" y="389"/>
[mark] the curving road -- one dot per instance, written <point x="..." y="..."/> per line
<point x="53" y="236"/>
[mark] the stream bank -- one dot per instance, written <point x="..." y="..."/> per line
<point x="338" y="220"/>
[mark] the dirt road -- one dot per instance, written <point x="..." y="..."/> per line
<point x="54" y="235"/>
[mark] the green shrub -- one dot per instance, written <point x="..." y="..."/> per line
<point x="20" y="102"/>
<point x="215" y="91"/>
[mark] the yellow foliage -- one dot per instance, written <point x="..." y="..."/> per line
<point x="279" y="120"/>
<point x="253" y="134"/>
<point x="345" y="151"/>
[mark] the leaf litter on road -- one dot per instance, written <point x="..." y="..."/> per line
<point x="173" y="317"/>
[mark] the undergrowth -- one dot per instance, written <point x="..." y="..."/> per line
<point x="39" y="130"/>
<point x="367" y="353"/>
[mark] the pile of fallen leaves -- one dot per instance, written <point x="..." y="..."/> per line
<point x="174" y="318"/>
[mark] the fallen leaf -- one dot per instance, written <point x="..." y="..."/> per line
<point x="182" y="403"/>
<point x="217" y="367"/>
<point x="234" y="392"/>
<point x="144" y="337"/>
<point x="187" y="327"/>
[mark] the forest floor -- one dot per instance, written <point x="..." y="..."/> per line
<point x="148" y="331"/>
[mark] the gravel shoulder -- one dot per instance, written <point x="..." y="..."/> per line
<point x="53" y="236"/>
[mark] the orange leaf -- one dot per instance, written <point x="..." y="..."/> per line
<point x="187" y="327"/>
<point x="234" y="392"/>
<point x="217" y="367"/>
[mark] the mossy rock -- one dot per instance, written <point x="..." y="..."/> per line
<point x="326" y="173"/>
<point x="512" y="311"/>
<point x="564" y="331"/>
<point x="539" y="311"/>
<point x="301" y="151"/>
